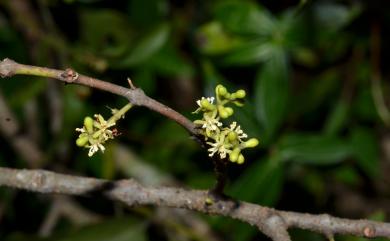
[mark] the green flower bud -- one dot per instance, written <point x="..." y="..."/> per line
<point x="205" y="103"/>
<point x="82" y="141"/>
<point x="229" y="110"/>
<point x="221" y="90"/>
<point x="88" y="123"/>
<point x="238" y="103"/>
<point x="222" y="112"/>
<point x="232" y="136"/>
<point x="251" y="143"/>
<point x="240" y="94"/>
<point x="240" y="159"/>
<point x="234" y="155"/>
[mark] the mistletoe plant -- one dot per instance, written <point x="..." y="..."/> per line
<point x="221" y="139"/>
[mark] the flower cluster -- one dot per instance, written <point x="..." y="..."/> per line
<point x="95" y="132"/>
<point x="225" y="141"/>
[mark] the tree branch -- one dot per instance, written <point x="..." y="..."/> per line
<point x="136" y="96"/>
<point x="271" y="222"/>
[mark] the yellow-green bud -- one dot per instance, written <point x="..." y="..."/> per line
<point x="205" y="103"/>
<point x="82" y="141"/>
<point x="221" y="90"/>
<point x="234" y="155"/>
<point x="232" y="136"/>
<point x="88" y="123"/>
<point x="240" y="94"/>
<point x="251" y="142"/>
<point x="240" y="159"/>
<point x="222" y="112"/>
<point x="229" y="110"/>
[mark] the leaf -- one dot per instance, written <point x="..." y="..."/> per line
<point x="105" y="32"/>
<point x="213" y="40"/>
<point x="169" y="62"/>
<point x="365" y="149"/>
<point x="146" y="47"/>
<point x="244" y="18"/>
<point x="144" y="14"/>
<point x="337" y="119"/>
<point x="333" y="16"/>
<point x="313" y="149"/>
<point x="250" y="53"/>
<point x="271" y="93"/>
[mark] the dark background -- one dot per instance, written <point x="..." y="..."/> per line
<point x="317" y="82"/>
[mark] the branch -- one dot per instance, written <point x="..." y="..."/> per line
<point x="271" y="222"/>
<point x="136" y="96"/>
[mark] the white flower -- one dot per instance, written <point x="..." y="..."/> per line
<point x="82" y="130"/>
<point x="211" y="123"/>
<point x="209" y="99"/>
<point x="94" y="148"/>
<point x="219" y="146"/>
<point x="237" y="129"/>
<point x="199" y="102"/>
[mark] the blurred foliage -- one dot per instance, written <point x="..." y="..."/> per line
<point x="305" y="66"/>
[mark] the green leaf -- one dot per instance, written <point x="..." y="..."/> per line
<point x="365" y="149"/>
<point x="337" y="118"/>
<point x="244" y="18"/>
<point x="169" y="62"/>
<point x="250" y="53"/>
<point x="333" y="16"/>
<point x="213" y="40"/>
<point x="146" y="13"/>
<point x="105" y="32"/>
<point x="146" y="47"/>
<point x="271" y="93"/>
<point x="313" y="149"/>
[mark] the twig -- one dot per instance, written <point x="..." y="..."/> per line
<point x="136" y="96"/>
<point x="273" y="223"/>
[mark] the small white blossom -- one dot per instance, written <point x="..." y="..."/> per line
<point x="219" y="146"/>
<point x="82" y="130"/>
<point x="201" y="108"/>
<point x="94" y="148"/>
<point x="209" y="99"/>
<point x="237" y="129"/>
<point x="211" y="123"/>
